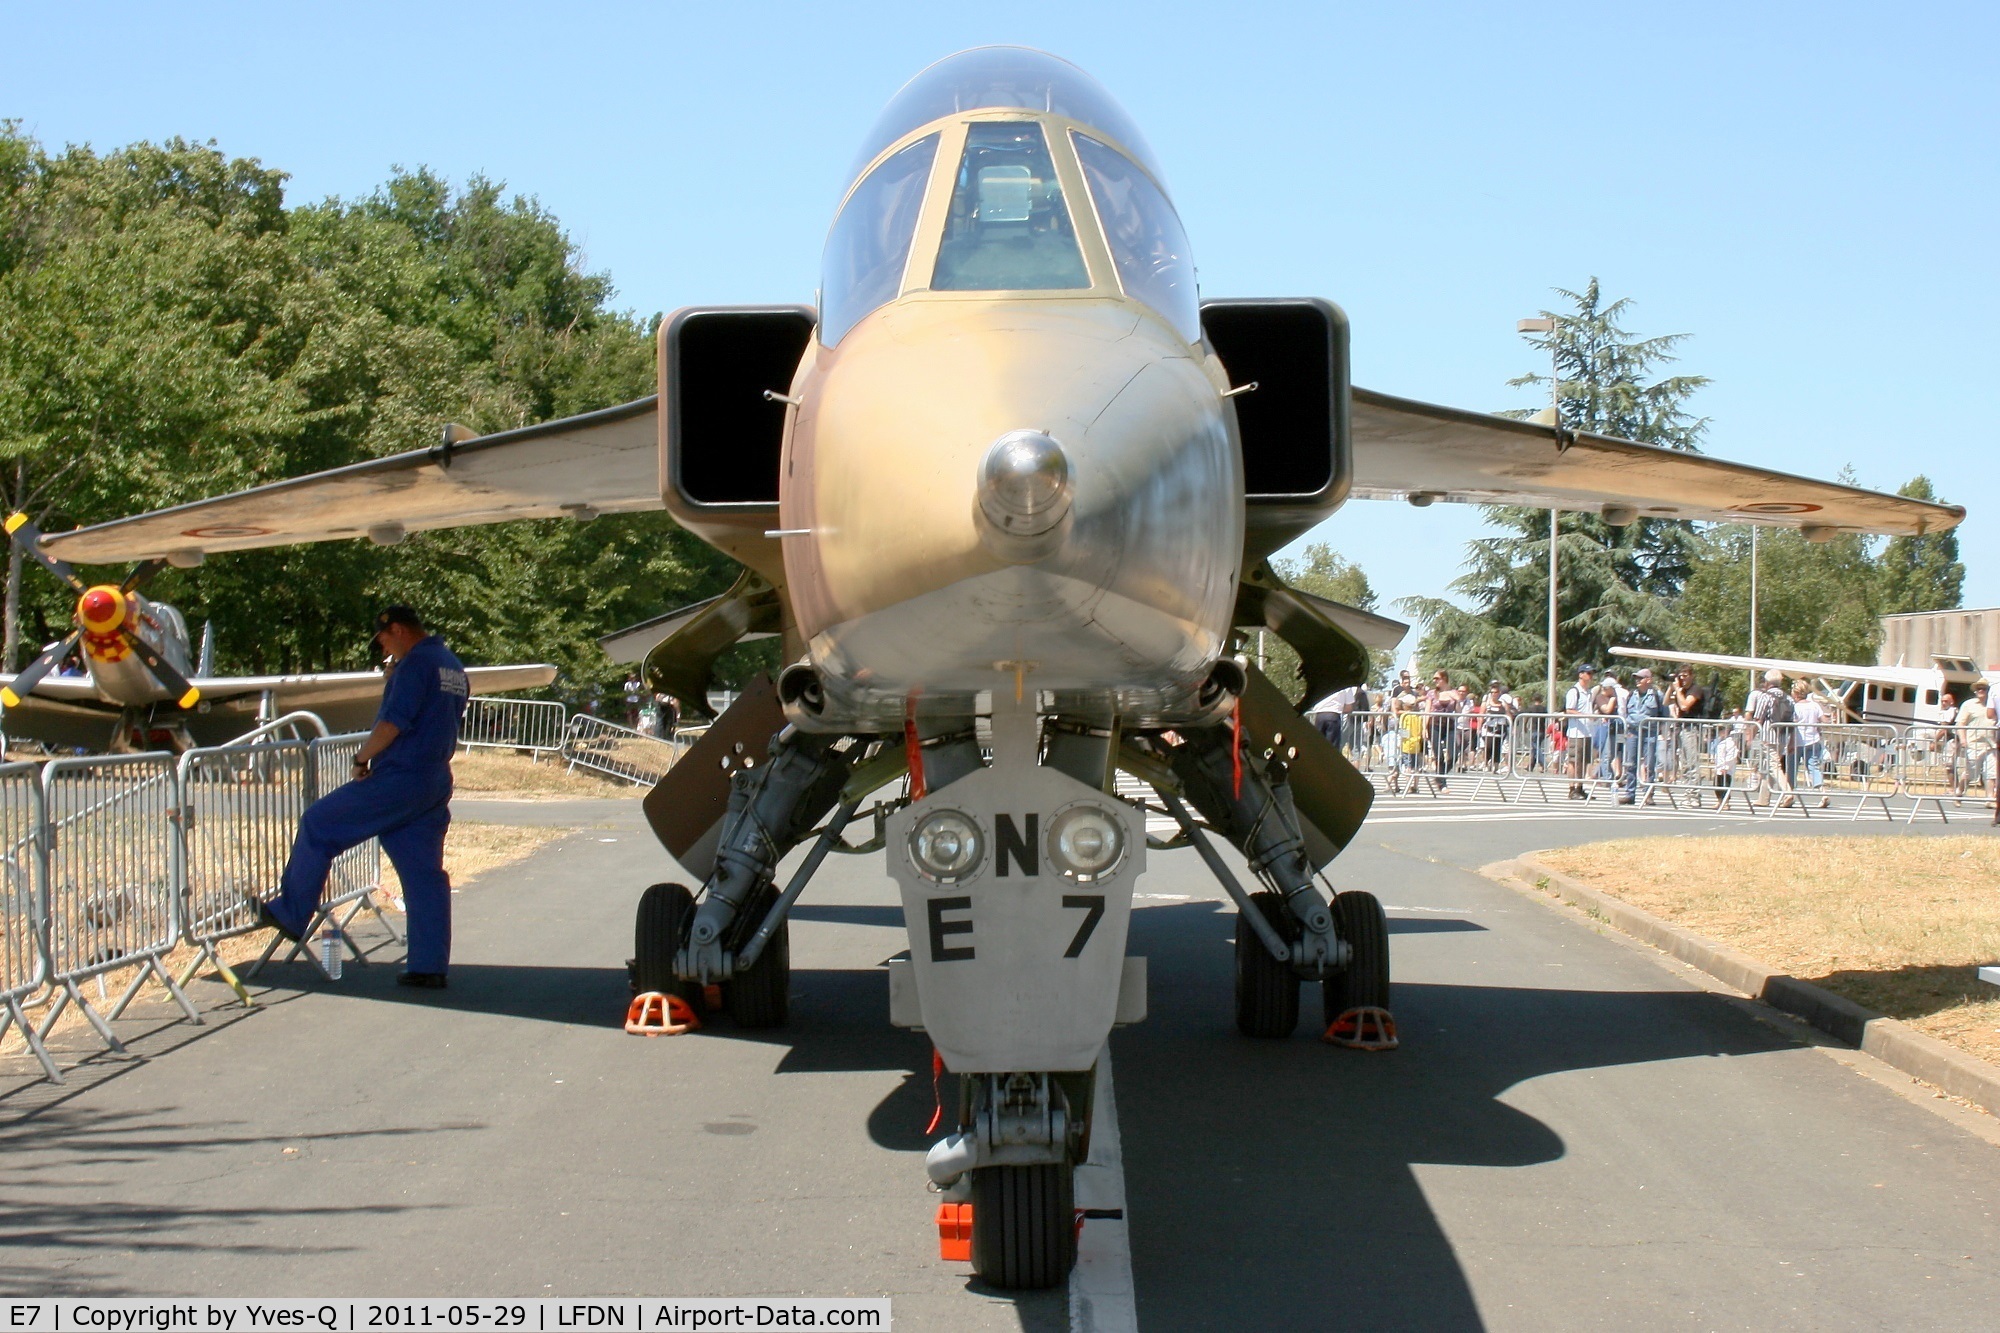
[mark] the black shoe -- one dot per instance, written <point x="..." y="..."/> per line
<point x="421" y="980"/>
<point x="267" y="919"/>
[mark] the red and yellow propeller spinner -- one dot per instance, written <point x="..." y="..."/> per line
<point x="107" y="623"/>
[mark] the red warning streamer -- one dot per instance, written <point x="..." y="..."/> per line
<point x="937" y="1096"/>
<point x="1236" y="748"/>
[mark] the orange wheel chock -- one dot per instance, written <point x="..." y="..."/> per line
<point x="954" y="1223"/>
<point x="656" y="1015"/>
<point x="1367" y="1028"/>
<point x="712" y="997"/>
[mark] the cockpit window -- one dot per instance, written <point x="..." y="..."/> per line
<point x="1145" y="235"/>
<point x="1008" y="229"/>
<point x="1003" y="76"/>
<point x="870" y="240"/>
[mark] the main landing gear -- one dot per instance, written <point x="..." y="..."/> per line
<point x="1287" y="934"/>
<point x="734" y="944"/>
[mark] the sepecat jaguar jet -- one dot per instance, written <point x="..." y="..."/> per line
<point x="1006" y="496"/>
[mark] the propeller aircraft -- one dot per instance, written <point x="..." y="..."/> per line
<point x="1010" y="488"/>
<point x="143" y="679"/>
<point x="1895" y="694"/>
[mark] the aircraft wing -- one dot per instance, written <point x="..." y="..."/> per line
<point x="1790" y="666"/>
<point x="70" y="689"/>
<point x="312" y="690"/>
<point x="1419" y="452"/>
<point x="598" y="463"/>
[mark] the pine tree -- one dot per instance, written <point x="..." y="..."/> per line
<point x="1617" y="583"/>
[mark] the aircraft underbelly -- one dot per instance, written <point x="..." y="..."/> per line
<point x="897" y="590"/>
<point x="1067" y="633"/>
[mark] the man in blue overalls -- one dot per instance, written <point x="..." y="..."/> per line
<point x="400" y="793"/>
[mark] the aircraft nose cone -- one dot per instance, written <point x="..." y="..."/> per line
<point x="1024" y="486"/>
<point x="101" y="609"/>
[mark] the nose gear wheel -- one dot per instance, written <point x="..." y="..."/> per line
<point x="1024" y="1224"/>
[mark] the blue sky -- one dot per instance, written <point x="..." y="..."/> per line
<point x="1808" y="191"/>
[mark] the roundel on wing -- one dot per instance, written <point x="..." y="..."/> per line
<point x="228" y="530"/>
<point x="1776" y="507"/>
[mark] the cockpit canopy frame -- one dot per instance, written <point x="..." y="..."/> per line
<point x="896" y="235"/>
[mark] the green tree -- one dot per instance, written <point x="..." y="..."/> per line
<point x="170" y="329"/>
<point x="1323" y="572"/>
<point x="143" y="336"/>
<point x="1617" y="584"/>
<point x="1815" y="600"/>
<point x="1818" y="601"/>
<point x="1921" y="573"/>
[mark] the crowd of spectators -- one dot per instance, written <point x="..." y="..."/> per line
<point x="1619" y="736"/>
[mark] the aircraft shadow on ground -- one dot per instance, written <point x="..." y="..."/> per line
<point x="1301" y="1154"/>
<point x="65" y="1168"/>
<point x="839" y="1020"/>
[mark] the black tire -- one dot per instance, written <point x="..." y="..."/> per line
<point x="1024" y="1225"/>
<point x="665" y="913"/>
<point x="761" y="997"/>
<point x="1358" y="919"/>
<point x="1267" y="991"/>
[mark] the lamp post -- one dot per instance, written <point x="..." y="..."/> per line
<point x="1753" y="604"/>
<point x="1544" y="324"/>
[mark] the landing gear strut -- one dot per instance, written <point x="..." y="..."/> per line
<point x="1287" y="933"/>
<point x="1015" y="1155"/>
<point x="737" y="937"/>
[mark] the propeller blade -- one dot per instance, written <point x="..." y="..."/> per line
<point x="28" y="537"/>
<point x="22" y="685"/>
<point x="142" y="571"/>
<point x="185" y="694"/>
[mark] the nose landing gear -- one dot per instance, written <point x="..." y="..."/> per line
<point x="1014" y="1155"/>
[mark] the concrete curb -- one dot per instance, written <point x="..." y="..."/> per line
<point x="1896" y="1044"/>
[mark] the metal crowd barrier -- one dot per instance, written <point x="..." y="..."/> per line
<point x="113" y="870"/>
<point x="23" y="902"/>
<point x="1849" y="768"/>
<point x="535" y="725"/>
<point x="617" y="751"/>
<point x="351" y="881"/>
<point x="240" y="809"/>
<point x="110" y="863"/>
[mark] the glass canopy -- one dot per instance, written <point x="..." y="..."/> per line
<point x="1002" y="77"/>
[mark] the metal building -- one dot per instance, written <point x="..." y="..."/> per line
<point x="1917" y="637"/>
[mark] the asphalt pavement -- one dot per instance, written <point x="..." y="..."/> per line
<point x="1572" y="1136"/>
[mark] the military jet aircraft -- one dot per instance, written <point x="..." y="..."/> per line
<point x="1009" y="490"/>
<point x="143" y="687"/>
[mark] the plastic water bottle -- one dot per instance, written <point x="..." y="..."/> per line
<point x="331" y="955"/>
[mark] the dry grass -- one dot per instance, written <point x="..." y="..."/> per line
<point x="470" y="850"/>
<point x="1897" y="924"/>
<point x="504" y="775"/>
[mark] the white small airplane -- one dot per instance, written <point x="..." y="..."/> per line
<point x="1898" y="694"/>
<point x="143" y="687"/>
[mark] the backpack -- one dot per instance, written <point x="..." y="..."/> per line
<point x="1781" y="707"/>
